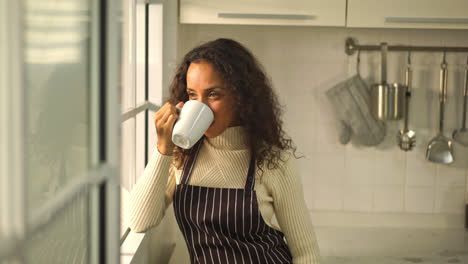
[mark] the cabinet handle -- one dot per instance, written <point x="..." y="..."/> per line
<point x="425" y="20"/>
<point x="266" y="16"/>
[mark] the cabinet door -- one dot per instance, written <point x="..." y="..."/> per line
<point x="264" y="12"/>
<point x="408" y="13"/>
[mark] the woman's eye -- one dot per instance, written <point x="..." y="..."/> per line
<point x="213" y="94"/>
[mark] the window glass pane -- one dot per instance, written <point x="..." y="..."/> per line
<point x="152" y="137"/>
<point x="57" y="120"/>
<point x="128" y="56"/>
<point x="64" y="239"/>
<point x="155" y="85"/>
<point x="155" y="40"/>
<point x="140" y="53"/>
<point x="4" y="116"/>
<point x="128" y="153"/>
<point x="140" y="145"/>
<point x="155" y="50"/>
<point x="57" y="95"/>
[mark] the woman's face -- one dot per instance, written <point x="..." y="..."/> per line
<point x="204" y="84"/>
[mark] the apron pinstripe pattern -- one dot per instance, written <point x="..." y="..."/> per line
<point x="223" y="225"/>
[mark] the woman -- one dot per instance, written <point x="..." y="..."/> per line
<point x="244" y="175"/>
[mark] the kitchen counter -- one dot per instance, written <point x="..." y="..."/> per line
<point x="392" y="245"/>
<point x="442" y="257"/>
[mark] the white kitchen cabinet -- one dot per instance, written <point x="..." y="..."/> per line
<point x="408" y="14"/>
<point x="264" y="12"/>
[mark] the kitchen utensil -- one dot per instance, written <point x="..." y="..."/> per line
<point x="387" y="99"/>
<point x="461" y="135"/>
<point x="351" y="101"/>
<point x="439" y="149"/>
<point x="407" y="138"/>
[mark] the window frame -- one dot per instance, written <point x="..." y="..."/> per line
<point x="142" y="101"/>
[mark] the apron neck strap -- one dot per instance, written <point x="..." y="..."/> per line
<point x="250" y="182"/>
<point x="190" y="161"/>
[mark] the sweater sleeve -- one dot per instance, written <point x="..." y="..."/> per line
<point x="152" y="194"/>
<point x="292" y="213"/>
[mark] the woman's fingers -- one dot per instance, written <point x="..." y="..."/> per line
<point x="180" y="104"/>
<point x="164" y="120"/>
<point x="171" y="121"/>
<point x="160" y="112"/>
<point x="166" y="115"/>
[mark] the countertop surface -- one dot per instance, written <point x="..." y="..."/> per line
<point x="425" y="246"/>
<point x="460" y="257"/>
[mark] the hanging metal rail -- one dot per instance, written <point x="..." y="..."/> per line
<point x="351" y="46"/>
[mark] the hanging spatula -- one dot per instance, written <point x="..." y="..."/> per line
<point x="439" y="149"/>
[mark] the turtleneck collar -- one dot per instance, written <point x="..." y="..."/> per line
<point x="231" y="138"/>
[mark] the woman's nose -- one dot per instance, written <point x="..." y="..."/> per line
<point x="202" y="99"/>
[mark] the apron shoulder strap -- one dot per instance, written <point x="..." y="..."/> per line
<point x="250" y="182"/>
<point x="190" y="161"/>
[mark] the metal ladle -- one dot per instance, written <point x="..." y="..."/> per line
<point x="407" y="138"/>
<point x="439" y="149"/>
<point x="461" y="135"/>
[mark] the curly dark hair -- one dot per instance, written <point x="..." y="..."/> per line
<point x="254" y="99"/>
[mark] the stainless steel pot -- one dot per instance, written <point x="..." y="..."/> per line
<point x="387" y="99"/>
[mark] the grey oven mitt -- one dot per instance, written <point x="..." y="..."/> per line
<point x="351" y="102"/>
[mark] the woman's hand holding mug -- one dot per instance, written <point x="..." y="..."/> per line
<point x="194" y="119"/>
<point x="181" y="126"/>
<point x="164" y="121"/>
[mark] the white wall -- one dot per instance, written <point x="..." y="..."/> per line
<point x="350" y="185"/>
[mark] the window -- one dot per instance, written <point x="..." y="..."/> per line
<point x="141" y="86"/>
<point x="58" y="192"/>
<point x="141" y="97"/>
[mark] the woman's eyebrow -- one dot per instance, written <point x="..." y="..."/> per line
<point x="207" y="89"/>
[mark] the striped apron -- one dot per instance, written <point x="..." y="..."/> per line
<point x="224" y="225"/>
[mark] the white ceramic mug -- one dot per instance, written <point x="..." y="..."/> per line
<point x="194" y="119"/>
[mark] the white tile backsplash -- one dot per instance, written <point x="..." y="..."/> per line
<point x="389" y="198"/>
<point x="450" y="177"/>
<point x="450" y="199"/>
<point x="303" y="62"/>
<point x="327" y="138"/>
<point x="328" y="169"/>
<point x="419" y="199"/>
<point x="326" y="197"/>
<point x="358" y="198"/>
<point x="359" y="171"/>
<point x="419" y="172"/>
<point x="390" y="167"/>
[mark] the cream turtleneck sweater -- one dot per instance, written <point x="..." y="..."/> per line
<point x="223" y="162"/>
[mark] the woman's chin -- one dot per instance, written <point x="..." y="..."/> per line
<point x="209" y="134"/>
<point x="212" y="132"/>
<point x="209" y="131"/>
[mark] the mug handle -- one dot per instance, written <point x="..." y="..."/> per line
<point x="179" y="109"/>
